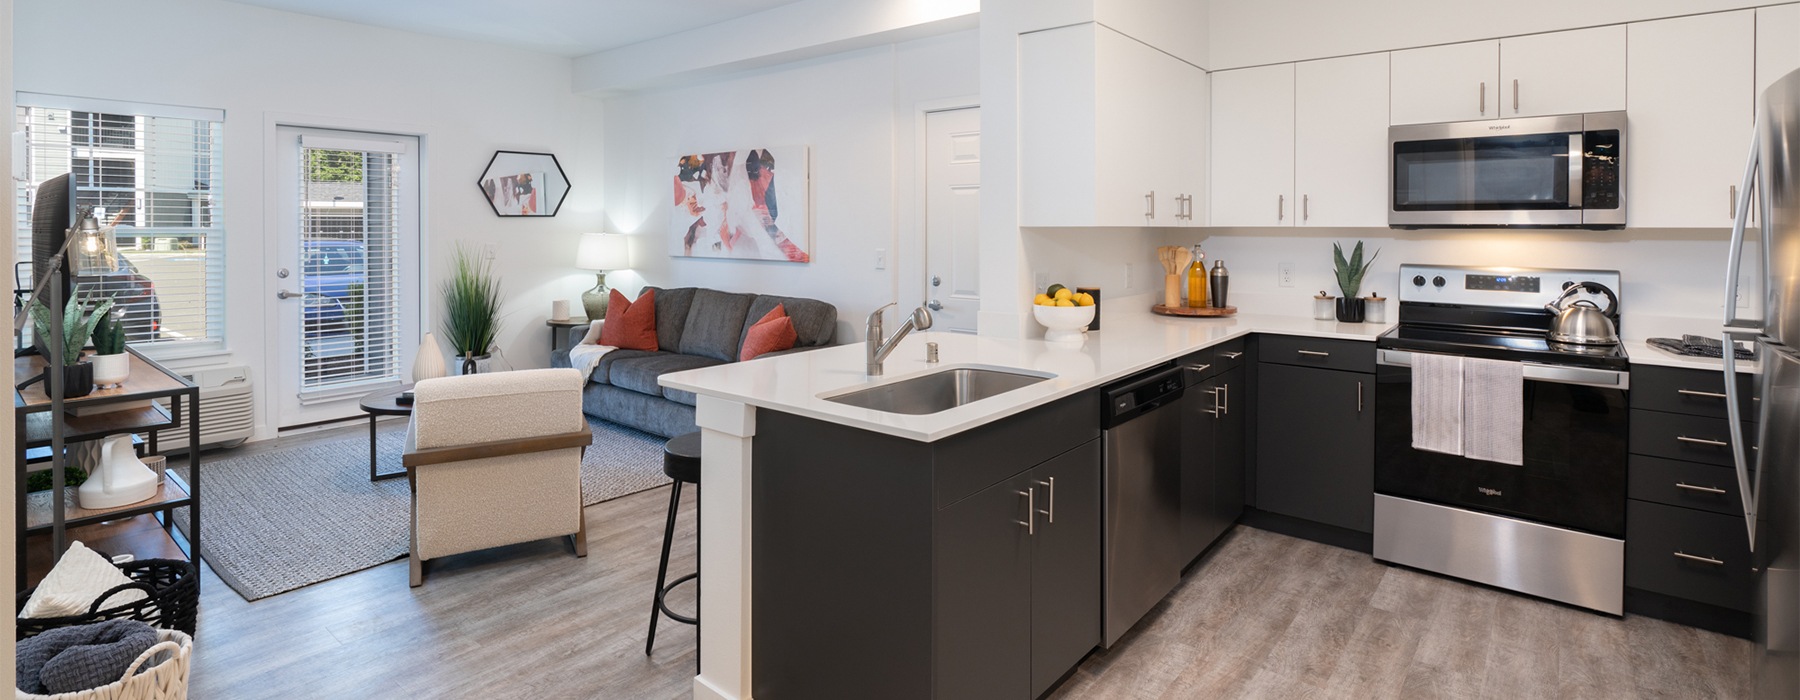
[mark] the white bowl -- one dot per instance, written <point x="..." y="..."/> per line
<point x="1063" y="323"/>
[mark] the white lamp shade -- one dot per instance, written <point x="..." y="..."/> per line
<point x="603" y="251"/>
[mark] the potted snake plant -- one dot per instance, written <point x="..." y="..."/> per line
<point x="78" y="324"/>
<point x="111" y="365"/>
<point x="1350" y="272"/>
<point x="471" y="309"/>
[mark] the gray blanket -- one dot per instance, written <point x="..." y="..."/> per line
<point x="73" y="659"/>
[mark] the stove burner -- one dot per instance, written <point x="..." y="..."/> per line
<point x="1515" y="345"/>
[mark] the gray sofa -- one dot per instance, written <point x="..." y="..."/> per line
<point x="695" y="327"/>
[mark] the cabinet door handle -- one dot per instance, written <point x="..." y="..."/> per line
<point x="1701" y="559"/>
<point x="1484" y="97"/>
<point x="1515" y="95"/>
<point x="1232" y="355"/>
<point x="1701" y="489"/>
<point x="1150" y="205"/>
<point x="1222" y="399"/>
<point x="1731" y="210"/>
<point x="1030" y="521"/>
<point x="1051" y="513"/>
<point x="1359" y="396"/>
<point x="1281" y="207"/>
<point x="1314" y="353"/>
<point x="1703" y="441"/>
<point x="1704" y="394"/>
<point x="1305" y="207"/>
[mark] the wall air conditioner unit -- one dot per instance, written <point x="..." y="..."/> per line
<point x="227" y="410"/>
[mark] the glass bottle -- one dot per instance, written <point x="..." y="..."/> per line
<point x="1196" y="280"/>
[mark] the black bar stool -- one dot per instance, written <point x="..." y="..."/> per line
<point x="681" y="461"/>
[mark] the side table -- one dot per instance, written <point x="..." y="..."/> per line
<point x="378" y="404"/>
<point x="559" y="332"/>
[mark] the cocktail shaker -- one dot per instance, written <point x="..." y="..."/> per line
<point x="1221" y="279"/>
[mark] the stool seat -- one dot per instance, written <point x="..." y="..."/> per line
<point x="681" y="457"/>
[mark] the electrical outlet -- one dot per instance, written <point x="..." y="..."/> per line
<point x="881" y="258"/>
<point x="1285" y="274"/>
<point x="489" y="251"/>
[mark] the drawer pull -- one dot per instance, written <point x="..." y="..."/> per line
<point x="1704" y="394"/>
<point x="1232" y="355"/>
<point x="1701" y="489"/>
<point x="1701" y="559"/>
<point x="1313" y="353"/>
<point x="1703" y="441"/>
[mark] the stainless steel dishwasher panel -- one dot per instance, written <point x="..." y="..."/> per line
<point x="1142" y="540"/>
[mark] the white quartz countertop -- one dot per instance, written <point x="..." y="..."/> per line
<point x="1130" y="339"/>
<point x="1642" y="353"/>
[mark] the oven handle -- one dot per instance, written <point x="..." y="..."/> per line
<point x="1603" y="378"/>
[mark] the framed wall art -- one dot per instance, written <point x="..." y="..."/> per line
<point x="517" y="183"/>
<point x="742" y="205"/>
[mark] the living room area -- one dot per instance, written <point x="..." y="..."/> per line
<point x="390" y="291"/>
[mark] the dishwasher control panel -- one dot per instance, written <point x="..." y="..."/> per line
<point x="1141" y="394"/>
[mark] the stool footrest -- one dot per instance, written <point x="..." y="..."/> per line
<point x="664" y="606"/>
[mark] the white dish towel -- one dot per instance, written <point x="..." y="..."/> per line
<point x="585" y="356"/>
<point x="1494" y="411"/>
<point x="1437" y="403"/>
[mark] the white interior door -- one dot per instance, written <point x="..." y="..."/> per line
<point x="953" y="218"/>
<point x="345" y="289"/>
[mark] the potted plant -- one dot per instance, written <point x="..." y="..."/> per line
<point x="471" y="308"/>
<point x="111" y="365"/>
<point x="1349" y="277"/>
<point x="78" y="376"/>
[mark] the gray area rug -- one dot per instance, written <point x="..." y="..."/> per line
<point x="286" y="518"/>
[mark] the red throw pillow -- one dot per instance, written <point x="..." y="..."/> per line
<point x="773" y="332"/>
<point x="630" y="325"/>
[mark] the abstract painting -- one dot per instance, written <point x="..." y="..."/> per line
<point x="743" y="205"/>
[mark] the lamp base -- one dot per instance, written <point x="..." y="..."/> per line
<point x="595" y="300"/>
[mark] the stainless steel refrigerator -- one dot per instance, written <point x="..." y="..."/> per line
<point x="1769" y="474"/>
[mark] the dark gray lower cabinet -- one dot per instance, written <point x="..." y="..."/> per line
<point x="1212" y="458"/>
<point x="1065" y="565"/>
<point x="1316" y="444"/>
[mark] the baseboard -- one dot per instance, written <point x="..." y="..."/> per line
<point x="1736" y="623"/>
<point x="1308" y="530"/>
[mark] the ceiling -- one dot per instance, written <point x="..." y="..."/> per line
<point x="564" y="27"/>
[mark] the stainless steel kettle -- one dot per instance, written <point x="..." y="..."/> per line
<point x="1582" y="322"/>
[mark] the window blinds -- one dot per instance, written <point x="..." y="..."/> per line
<point x="155" y="172"/>
<point x="349" y="263"/>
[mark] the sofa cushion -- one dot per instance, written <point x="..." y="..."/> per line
<point x="671" y="315"/>
<point x="630" y="324"/>
<point x="602" y="372"/>
<point x="815" y="322"/>
<point x="639" y="373"/>
<point x="686" y="398"/>
<point x="773" y="332"/>
<point x="715" y="324"/>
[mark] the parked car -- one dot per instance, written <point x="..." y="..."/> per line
<point x="129" y="288"/>
<point x="332" y="276"/>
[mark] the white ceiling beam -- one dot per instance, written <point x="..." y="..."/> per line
<point x="802" y="30"/>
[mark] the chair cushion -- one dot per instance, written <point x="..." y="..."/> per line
<point x="639" y="373"/>
<point x="772" y="333"/>
<point x="815" y="322"/>
<point x="715" y="324"/>
<point x="476" y="408"/>
<point x="671" y="315"/>
<point x="630" y="324"/>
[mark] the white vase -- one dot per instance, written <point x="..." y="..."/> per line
<point x="429" y="364"/>
<point x="111" y="370"/>
<point x="119" y="480"/>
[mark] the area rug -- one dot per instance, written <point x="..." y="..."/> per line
<point x="281" y="519"/>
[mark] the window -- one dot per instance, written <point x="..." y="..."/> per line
<point x="154" y="172"/>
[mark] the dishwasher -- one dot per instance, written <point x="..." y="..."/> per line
<point x="1141" y="546"/>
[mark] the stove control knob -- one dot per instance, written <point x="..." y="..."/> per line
<point x="1437" y="281"/>
<point x="1418" y="280"/>
<point x="1567" y="285"/>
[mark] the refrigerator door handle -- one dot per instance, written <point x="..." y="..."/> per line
<point x="1735" y="253"/>
<point x="1746" y="492"/>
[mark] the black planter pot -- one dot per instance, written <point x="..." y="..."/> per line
<point x="1350" y="310"/>
<point x="78" y="380"/>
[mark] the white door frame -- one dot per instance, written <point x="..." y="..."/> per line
<point x="267" y="285"/>
<point x="911" y="289"/>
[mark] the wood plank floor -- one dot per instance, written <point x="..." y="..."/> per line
<point x="1265" y="616"/>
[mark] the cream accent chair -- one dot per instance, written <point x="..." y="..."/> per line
<point x="495" y="459"/>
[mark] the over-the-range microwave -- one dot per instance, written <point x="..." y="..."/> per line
<point x="1538" y="172"/>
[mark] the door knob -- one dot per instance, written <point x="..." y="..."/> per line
<point x="936" y="281"/>
<point x="934" y="305"/>
<point x="282" y="273"/>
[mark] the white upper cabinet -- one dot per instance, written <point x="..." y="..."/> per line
<point x="1112" y="132"/>
<point x="1452" y="83"/>
<point x="1563" y="72"/>
<point x="1690" y="86"/>
<point x="1253" y="147"/>
<point x="1777" y="44"/>
<point x="1340" y="141"/>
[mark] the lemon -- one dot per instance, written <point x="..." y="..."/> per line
<point x="1063" y="294"/>
<point x="1042" y="300"/>
<point x="1084" y="300"/>
<point x="1064" y="302"/>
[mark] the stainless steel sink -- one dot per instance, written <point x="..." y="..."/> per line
<point x="938" y="391"/>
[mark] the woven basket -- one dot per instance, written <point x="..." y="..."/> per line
<point x="166" y="679"/>
<point x="172" y="599"/>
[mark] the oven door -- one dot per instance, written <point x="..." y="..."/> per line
<point x="1573" y="474"/>
<point x="1538" y="172"/>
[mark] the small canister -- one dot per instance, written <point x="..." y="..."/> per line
<point x="1375" y="309"/>
<point x="1095" y="293"/>
<point x="1324" y="306"/>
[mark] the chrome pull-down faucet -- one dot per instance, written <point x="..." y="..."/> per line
<point x="879" y="348"/>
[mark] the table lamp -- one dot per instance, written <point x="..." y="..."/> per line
<point x="601" y="252"/>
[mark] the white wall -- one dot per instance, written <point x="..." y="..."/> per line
<point x="7" y="567"/>
<point x="1257" y="32"/>
<point x="468" y="99"/>
<point x="856" y="112"/>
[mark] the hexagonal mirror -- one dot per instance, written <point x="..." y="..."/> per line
<point x="524" y="184"/>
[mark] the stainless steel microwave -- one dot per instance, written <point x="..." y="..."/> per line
<point x="1540" y="172"/>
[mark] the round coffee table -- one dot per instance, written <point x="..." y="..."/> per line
<point x="384" y="403"/>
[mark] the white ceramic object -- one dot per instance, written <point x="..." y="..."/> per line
<point x="1064" y="324"/>
<point x="119" y="480"/>
<point x="429" y="363"/>
<point x="111" y="370"/>
<point x="559" y="310"/>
